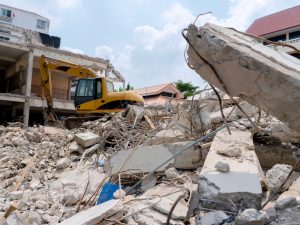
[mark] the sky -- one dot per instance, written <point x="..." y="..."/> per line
<point x="142" y="38"/>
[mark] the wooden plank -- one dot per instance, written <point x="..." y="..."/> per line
<point x="24" y="173"/>
<point x="149" y="122"/>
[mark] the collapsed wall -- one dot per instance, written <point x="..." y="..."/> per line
<point x="261" y="75"/>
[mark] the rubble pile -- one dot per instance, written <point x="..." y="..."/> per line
<point x="52" y="175"/>
<point x="212" y="160"/>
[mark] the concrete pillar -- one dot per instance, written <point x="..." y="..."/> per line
<point x="28" y="88"/>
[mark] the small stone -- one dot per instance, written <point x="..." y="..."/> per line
<point x="149" y="182"/>
<point x="70" y="198"/>
<point x="41" y="205"/>
<point x="34" y="218"/>
<point x="222" y="167"/>
<point x="251" y="216"/>
<point x="215" y="217"/>
<point x="172" y="173"/>
<point x="119" y="194"/>
<point x="63" y="163"/>
<point x="34" y="184"/>
<point x="285" y="203"/>
<point x="233" y="151"/>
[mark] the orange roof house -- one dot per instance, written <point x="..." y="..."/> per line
<point x="160" y="94"/>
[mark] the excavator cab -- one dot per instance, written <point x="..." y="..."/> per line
<point x="88" y="89"/>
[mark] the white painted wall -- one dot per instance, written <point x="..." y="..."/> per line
<point x="25" y="19"/>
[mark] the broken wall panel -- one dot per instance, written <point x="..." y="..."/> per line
<point x="261" y="75"/>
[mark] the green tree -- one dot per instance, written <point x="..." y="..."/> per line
<point x="128" y="87"/>
<point x="186" y="88"/>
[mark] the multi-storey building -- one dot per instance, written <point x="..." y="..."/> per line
<point x="24" y="37"/>
<point x="283" y="26"/>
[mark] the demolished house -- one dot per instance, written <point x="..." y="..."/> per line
<point x="229" y="157"/>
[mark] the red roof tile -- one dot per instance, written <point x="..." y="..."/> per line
<point x="156" y="89"/>
<point x="275" y="22"/>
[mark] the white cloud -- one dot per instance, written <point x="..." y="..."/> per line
<point x="105" y="52"/>
<point x="74" y="50"/>
<point x="176" y="17"/>
<point x="124" y="58"/>
<point x="66" y="4"/>
<point x="121" y="60"/>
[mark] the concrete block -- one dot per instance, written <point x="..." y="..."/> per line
<point x="190" y="122"/>
<point x="213" y="218"/>
<point x="277" y="175"/>
<point x="147" y="158"/>
<point x="87" y="139"/>
<point x="216" y="117"/>
<point x="257" y="70"/>
<point x="95" y="214"/>
<point x="241" y="184"/>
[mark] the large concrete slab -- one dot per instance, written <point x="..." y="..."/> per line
<point x="261" y="75"/>
<point x="144" y="159"/>
<point x="242" y="184"/>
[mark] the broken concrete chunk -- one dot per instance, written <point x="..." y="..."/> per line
<point x="134" y="113"/>
<point x="222" y="166"/>
<point x="241" y="184"/>
<point x="149" y="182"/>
<point x="95" y="214"/>
<point x="190" y="122"/>
<point x="251" y="216"/>
<point x="87" y="139"/>
<point x="277" y="175"/>
<point x="166" y="136"/>
<point x="257" y="70"/>
<point x="284" y="203"/>
<point x="63" y="163"/>
<point x="172" y="173"/>
<point x="215" y="217"/>
<point x="283" y="132"/>
<point x="216" y="117"/>
<point x="147" y="158"/>
<point x="165" y="205"/>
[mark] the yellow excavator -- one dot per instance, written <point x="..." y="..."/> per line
<point x="94" y="95"/>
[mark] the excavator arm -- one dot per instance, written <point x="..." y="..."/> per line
<point x="47" y="65"/>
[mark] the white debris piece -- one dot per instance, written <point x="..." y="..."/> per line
<point x="87" y="139"/>
<point x="222" y="166"/>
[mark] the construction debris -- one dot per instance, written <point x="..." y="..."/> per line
<point x="215" y="160"/>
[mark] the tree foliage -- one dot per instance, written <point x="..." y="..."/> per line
<point x="128" y="87"/>
<point x="187" y="88"/>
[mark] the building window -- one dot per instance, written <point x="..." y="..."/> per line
<point x="278" y="38"/>
<point x="4" y="38"/>
<point x="294" y="35"/>
<point x="41" y="24"/>
<point x="5" y="12"/>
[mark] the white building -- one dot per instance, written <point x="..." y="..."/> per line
<point x="283" y="26"/>
<point x="24" y="19"/>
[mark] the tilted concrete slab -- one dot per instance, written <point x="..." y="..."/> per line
<point x="242" y="184"/>
<point x="261" y="75"/>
